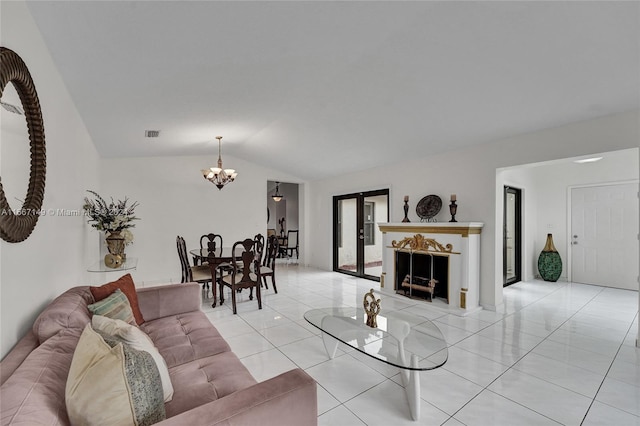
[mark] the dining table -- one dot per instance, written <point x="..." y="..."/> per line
<point x="222" y="255"/>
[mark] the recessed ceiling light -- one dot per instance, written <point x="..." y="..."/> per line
<point x="151" y="133"/>
<point x="588" y="160"/>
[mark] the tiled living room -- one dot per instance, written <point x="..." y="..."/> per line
<point x="561" y="353"/>
<point x="327" y="101"/>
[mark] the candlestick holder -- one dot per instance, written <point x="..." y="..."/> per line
<point x="406" y="211"/>
<point x="453" y="209"/>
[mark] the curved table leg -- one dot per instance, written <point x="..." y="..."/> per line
<point x="330" y="344"/>
<point x="399" y="330"/>
<point x="410" y="378"/>
<point x="412" y="388"/>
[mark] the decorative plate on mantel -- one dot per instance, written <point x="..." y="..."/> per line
<point x="428" y="207"/>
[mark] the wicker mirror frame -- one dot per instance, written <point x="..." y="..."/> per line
<point x="16" y="226"/>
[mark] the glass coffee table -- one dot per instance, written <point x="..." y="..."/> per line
<point x="407" y="341"/>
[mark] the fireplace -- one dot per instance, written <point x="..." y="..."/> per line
<point x="417" y="273"/>
<point x="448" y="252"/>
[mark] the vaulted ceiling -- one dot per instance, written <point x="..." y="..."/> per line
<point x="318" y="89"/>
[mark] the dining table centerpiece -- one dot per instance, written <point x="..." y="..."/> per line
<point x="115" y="218"/>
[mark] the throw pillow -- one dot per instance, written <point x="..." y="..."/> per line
<point x="110" y="383"/>
<point x="115" y="306"/>
<point x="138" y="340"/>
<point x="126" y="285"/>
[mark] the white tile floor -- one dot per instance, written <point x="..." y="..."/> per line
<point x="561" y="353"/>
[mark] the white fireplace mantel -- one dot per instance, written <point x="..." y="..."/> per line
<point x="464" y="269"/>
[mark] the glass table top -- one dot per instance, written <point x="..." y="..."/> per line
<point x="398" y="336"/>
<point x="129" y="264"/>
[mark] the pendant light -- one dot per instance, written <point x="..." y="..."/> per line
<point x="277" y="196"/>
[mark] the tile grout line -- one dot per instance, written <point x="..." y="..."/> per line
<point x="486" y="388"/>
<point x="583" y="309"/>
<point x="607" y="373"/>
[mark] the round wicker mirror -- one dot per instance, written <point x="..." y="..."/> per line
<point x="17" y="225"/>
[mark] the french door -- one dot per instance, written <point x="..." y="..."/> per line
<point x="512" y="233"/>
<point x="357" y="240"/>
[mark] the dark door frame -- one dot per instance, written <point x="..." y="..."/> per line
<point x="360" y="197"/>
<point x="517" y="238"/>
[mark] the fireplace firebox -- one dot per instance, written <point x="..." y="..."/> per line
<point x="422" y="275"/>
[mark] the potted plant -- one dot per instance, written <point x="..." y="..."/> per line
<point x="115" y="219"/>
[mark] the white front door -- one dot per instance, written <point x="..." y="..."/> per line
<point x="604" y="235"/>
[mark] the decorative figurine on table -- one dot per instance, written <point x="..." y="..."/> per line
<point x="282" y="223"/>
<point x="371" y="308"/>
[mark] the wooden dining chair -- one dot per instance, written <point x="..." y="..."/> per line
<point x="218" y="271"/>
<point x="209" y="242"/>
<point x="199" y="273"/>
<point x="292" y="244"/>
<point x="245" y="273"/>
<point x="269" y="262"/>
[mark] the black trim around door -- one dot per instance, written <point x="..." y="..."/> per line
<point x="512" y="244"/>
<point x="339" y="237"/>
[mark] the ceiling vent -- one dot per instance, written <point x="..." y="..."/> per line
<point x="151" y="133"/>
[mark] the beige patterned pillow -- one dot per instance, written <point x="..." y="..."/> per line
<point x="137" y="339"/>
<point x="116" y="306"/>
<point x="112" y="384"/>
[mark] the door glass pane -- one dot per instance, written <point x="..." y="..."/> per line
<point x="510" y="230"/>
<point x="347" y="234"/>
<point x="369" y="223"/>
<point x="375" y="211"/>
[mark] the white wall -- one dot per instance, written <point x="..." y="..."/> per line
<point x="56" y="255"/>
<point x="175" y="200"/>
<point x="547" y="188"/>
<point x="471" y="174"/>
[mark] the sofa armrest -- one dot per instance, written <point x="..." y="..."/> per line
<point x="19" y="353"/>
<point x="164" y="300"/>
<point x="287" y="399"/>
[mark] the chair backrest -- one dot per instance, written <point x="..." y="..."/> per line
<point x="259" y="239"/>
<point x="270" y="232"/>
<point x="271" y="252"/>
<point x="184" y="260"/>
<point x="211" y="241"/>
<point x="247" y="260"/>
<point x="292" y="239"/>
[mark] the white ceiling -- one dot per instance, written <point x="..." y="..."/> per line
<point x="317" y="89"/>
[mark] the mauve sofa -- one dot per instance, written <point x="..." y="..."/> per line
<point x="211" y="385"/>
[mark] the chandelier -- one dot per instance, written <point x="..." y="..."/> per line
<point x="277" y="196"/>
<point x="217" y="175"/>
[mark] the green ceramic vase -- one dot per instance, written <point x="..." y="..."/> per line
<point x="549" y="261"/>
